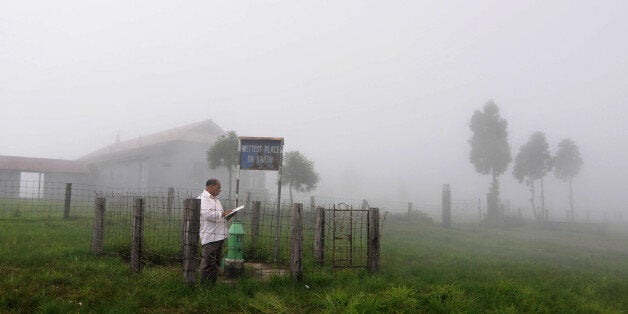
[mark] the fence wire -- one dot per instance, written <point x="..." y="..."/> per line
<point x="267" y="234"/>
<point x="162" y="225"/>
<point x="30" y="200"/>
<point x="466" y="211"/>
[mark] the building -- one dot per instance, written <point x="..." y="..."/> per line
<point x="172" y="158"/>
<point x="28" y="177"/>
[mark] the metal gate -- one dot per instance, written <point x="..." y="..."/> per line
<point x="350" y="236"/>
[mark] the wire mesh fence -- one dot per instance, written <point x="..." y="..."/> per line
<point x="268" y="233"/>
<point x="267" y="230"/>
<point x="311" y="201"/>
<point x="466" y="211"/>
<point x="162" y="225"/>
<point x="29" y="200"/>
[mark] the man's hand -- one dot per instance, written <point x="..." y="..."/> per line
<point x="226" y="212"/>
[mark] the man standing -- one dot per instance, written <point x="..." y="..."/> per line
<point x="213" y="231"/>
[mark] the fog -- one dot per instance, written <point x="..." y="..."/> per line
<point x="378" y="94"/>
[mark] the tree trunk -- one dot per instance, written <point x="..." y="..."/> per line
<point x="495" y="188"/>
<point x="230" y="172"/>
<point x="495" y="199"/>
<point x="290" y="189"/>
<point x="571" y="199"/>
<point x="543" y="212"/>
<point x="493" y="182"/>
<point x="532" y="199"/>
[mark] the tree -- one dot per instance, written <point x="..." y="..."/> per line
<point x="298" y="173"/>
<point x="224" y="153"/>
<point x="490" y="151"/>
<point x="567" y="163"/>
<point x="533" y="162"/>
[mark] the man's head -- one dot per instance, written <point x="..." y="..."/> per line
<point x="212" y="186"/>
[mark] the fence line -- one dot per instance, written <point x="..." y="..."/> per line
<point x="162" y="222"/>
<point x="466" y="211"/>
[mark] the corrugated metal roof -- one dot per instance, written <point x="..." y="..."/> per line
<point x="30" y="164"/>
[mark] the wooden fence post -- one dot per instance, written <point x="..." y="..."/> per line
<point x="296" y="242"/>
<point x="68" y="198"/>
<point x="446" y="204"/>
<point x="319" y="236"/>
<point x="183" y="224"/>
<point x="99" y="225"/>
<point x="191" y="239"/>
<point x="479" y="211"/>
<point x="372" y="259"/>
<point x="170" y="203"/>
<point x="312" y="204"/>
<point x="255" y="222"/>
<point x="409" y="208"/>
<point x="136" y="243"/>
<point x="491" y="210"/>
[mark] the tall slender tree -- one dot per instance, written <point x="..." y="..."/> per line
<point x="567" y="163"/>
<point x="490" y="151"/>
<point x="298" y="173"/>
<point x="533" y="162"/>
<point x="224" y="153"/>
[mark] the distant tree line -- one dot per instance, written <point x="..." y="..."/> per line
<point x="490" y="154"/>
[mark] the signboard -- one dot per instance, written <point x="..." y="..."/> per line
<point x="260" y="153"/>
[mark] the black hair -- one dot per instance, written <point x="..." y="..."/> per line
<point x="211" y="182"/>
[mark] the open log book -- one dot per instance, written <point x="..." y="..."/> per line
<point x="233" y="212"/>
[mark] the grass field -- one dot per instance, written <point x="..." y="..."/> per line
<point x="47" y="266"/>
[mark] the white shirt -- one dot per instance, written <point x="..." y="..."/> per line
<point x="213" y="225"/>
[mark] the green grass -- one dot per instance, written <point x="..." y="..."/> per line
<point x="47" y="266"/>
<point x="37" y="209"/>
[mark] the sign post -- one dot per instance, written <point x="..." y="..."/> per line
<point x="262" y="153"/>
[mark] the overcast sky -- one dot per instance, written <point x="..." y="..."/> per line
<point x="377" y="93"/>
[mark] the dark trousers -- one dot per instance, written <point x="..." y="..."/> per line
<point x="211" y="253"/>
